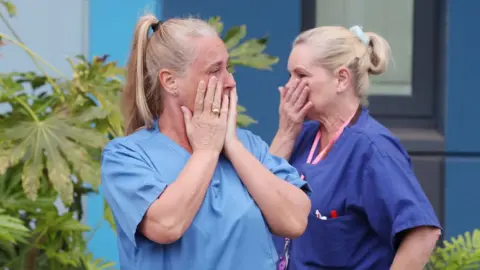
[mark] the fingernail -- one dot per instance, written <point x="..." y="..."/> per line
<point x="183" y="108"/>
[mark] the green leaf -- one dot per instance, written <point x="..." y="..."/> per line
<point x="108" y="215"/>
<point x="461" y="252"/>
<point x="52" y="140"/>
<point x="259" y="61"/>
<point x="8" y="87"/>
<point x="249" y="47"/>
<point x="243" y="120"/>
<point x="216" y="23"/>
<point x="33" y="78"/>
<point x="10" y="157"/>
<point x="234" y="35"/>
<point x="89" y="263"/>
<point x="91" y="113"/>
<point x="11" y="9"/>
<point x="241" y="109"/>
<point x="12" y="229"/>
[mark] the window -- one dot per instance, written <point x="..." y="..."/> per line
<point x="407" y="90"/>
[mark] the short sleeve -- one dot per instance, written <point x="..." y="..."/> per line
<point x="393" y="198"/>
<point x="129" y="184"/>
<point x="277" y="165"/>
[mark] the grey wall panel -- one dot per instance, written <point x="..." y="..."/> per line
<point x="430" y="173"/>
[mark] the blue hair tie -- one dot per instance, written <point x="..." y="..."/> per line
<point x="357" y="30"/>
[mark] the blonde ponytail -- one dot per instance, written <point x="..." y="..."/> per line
<point x="379" y="54"/>
<point x="136" y="110"/>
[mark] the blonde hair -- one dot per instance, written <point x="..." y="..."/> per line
<point x="168" y="47"/>
<point x="336" y="47"/>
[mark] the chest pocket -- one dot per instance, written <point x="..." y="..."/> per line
<point x="332" y="242"/>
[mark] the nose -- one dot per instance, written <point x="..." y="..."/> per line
<point x="228" y="81"/>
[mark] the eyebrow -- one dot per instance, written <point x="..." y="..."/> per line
<point x="301" y="70"/>
<point x="215" y="64"/>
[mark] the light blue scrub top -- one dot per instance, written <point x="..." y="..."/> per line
<point x="228" y="232"/>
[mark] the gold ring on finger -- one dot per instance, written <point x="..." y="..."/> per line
<point x="215" y="111"/>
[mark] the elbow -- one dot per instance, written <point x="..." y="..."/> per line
<point x="299" y="221"/>
<point x="299" y="228"/>
<point x="296" y="225"/>
<point x="293" y="229"/>
<point x="162" y="232"/>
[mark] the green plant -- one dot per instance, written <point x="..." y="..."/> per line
<point x="461" y="252"/>
<point x="50" y="146"/>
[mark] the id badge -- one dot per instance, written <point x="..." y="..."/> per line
<point x="283" y="262"/>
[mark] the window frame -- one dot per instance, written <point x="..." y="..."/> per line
<point x="418" y="109"/>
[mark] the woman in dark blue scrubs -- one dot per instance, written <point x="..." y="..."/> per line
<point x="368" y="209"/>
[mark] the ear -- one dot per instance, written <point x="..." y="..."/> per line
<point x="343" y="76"/>
<point x="167" y="81"/>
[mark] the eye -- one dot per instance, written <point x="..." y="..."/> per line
<point x="301" y="75"/>
<point x="215" y="70"/>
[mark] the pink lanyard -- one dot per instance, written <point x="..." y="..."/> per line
<point x="322" y="154"/>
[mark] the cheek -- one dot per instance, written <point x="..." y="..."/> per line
<point x="187" y="90"/>
<point x="321" y="91"/>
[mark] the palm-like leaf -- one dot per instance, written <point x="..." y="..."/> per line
<point x="53" y="144"/>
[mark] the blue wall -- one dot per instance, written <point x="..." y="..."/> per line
<point x="111" y="30"/>
<point x="462" y="127"/>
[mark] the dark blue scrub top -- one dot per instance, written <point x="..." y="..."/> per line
<point x="367" y="178"/>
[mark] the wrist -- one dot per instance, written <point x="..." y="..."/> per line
<point x="231" y="147"/>
<point x="285" y="136"/>
<point x="207" y="153"/>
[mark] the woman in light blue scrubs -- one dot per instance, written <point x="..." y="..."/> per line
<point x="187" y="189"/>
<point x="368" y="209"/>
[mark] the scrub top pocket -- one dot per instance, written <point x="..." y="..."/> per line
<point x="338" y="236"/>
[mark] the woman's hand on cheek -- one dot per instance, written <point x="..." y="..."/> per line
<point x="206" y="128"/>
<point x="293" y="108"/>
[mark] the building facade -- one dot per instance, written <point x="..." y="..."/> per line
<point x="427" y="98"/>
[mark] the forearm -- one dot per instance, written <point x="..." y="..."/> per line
<point x="284" y="206"/>
<point x="416" y="248"/>
<point x="282" y="145"/>
<point x="173" y="212"/>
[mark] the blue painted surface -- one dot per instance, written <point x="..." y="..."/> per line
<point x="111" y="30"/>
<point x="462" y="78"/>
<point x="280" y="20"/>
<point x="462" y="182"/>
<point x="461" y="194"/>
